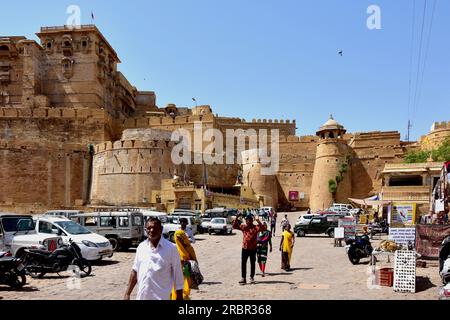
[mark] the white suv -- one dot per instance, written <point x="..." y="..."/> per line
<point x="306" y="218"/>
<point x="17" y="233"/>
<point x="93" y="246"/>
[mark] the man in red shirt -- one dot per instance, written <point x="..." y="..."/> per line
<point x="250" y="233"/>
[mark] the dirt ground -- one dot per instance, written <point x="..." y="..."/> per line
<point x="319" y="271"/>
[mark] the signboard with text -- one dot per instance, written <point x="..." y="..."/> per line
<point x="403" y="235"/>
<point x="349" y="226"/>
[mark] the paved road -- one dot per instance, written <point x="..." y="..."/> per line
<point x="320" y="271"/>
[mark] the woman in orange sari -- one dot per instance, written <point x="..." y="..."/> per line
<point x="187" y="253"/>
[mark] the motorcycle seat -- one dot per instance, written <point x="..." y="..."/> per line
<point x="42" y="252"/>
<point x="7" y="259"/>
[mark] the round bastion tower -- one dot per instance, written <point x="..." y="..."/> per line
<point x="331" y="180"/>
<point x="126" y="172"/>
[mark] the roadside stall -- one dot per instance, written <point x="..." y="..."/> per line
<point x="375" y="214"/>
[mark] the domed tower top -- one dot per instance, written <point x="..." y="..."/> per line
<point x="331" y="129"/>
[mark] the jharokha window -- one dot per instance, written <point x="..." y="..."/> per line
<point x="67" y="67"/>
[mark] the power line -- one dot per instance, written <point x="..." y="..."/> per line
<point x="411" y="61"/>
<point x="420" y="57"/>
<point x="426" y="57"/>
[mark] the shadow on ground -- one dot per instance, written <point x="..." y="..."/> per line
<point x="102" y="263"/>
<point x="273" y="282"/>
<point x="423" y="283"/>
<point x="24" y="289"/>
<point x="210" y="283"/>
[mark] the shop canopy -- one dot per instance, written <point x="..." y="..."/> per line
<point x="371" y="202"/>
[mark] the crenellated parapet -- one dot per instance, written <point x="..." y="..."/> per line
<point x="297" y="139"/>
<point x="53" y="113"/>
<point x="443" y="125"/>
<point x="158" y="121"/>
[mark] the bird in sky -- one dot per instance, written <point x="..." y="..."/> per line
<point x="341" y="52"/>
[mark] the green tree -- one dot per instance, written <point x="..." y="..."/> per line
<point x="417" y="156"/>
<point x="332" y="187"/>
<point x="442" y="153"/>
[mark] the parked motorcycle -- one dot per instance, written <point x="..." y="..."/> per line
<point x="12" y="272"/>
<point x="358" y="248"/>
<point x="444" y="261"/>
<point x="40" y="262"/>
<point x="379" y="227"/>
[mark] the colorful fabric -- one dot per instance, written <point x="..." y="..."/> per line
<point x="288" y="242"/>
<point x="250" y="233"/>
<point x="187" y="253"/>
<point x="263" y="240"/>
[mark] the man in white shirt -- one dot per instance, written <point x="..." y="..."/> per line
<point x="156" y="268"/>
<point x="190" y="234"/>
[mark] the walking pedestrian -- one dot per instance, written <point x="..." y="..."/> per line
<point x="249" y="244"/>
<point x="284" y="222"/>
<point x="286" y="246"/>
<point x="273" y="223"/>
<point x="187" y="253"/>
<point x="264" y="240"/>
<point x="156" y="268"/>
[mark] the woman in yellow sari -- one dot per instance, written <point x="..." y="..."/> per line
<point x="286" y="245"/>
<point x="187" y="253"/>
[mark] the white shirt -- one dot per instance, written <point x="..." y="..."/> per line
<point x="158" y="270"/>
<point x="190" y="234"/>
<point x="284" y="222"/>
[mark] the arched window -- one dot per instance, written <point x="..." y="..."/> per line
<point x="4" y="48"/>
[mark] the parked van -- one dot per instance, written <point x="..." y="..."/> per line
<point x="62" y="213"/>
<point x="17" y="233"/>
<point x="173" y="224"/>
<point x="162" y="216"/>
<point x="195" y="217"/>
<point x="93" y="246"/>
<point x="122" y="228"/>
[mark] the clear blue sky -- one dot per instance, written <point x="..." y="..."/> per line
<point x="271" y="59"/>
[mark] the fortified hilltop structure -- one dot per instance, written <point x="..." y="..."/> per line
<point x="75" y="133"/>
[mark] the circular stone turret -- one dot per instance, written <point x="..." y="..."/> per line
<point x="332" y="164"/>
<point x="126" y="172"/>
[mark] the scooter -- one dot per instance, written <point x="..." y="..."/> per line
<point x="40" y="262"/>
<point x="12" y="272"/>
<point x="358" y="248"/>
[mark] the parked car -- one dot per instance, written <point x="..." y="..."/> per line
<point x="204" y="226"/>
<point x="220" y="213"/>
<point x="17" y="233"/>
<point x="93" y="246"/>
<point x="63" y="213"/>
<point x="345" y="206"/>
<point x="196" y="219"/>
<point x="340" y="210"/>
<point x="317" y="225"/>
<point x="220" y="225"/>
<point x="123" y="229"/>
<point x="305" y="219"/>
<point x="173" y="225"/>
